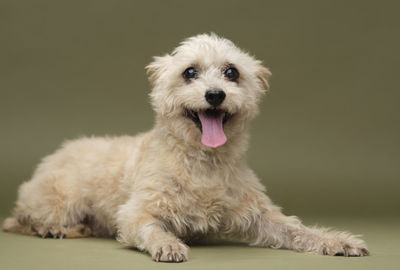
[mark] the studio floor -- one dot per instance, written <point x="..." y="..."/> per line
<point x="26" y="252"/>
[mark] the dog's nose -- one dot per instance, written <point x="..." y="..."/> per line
<point x="215" y="97"/>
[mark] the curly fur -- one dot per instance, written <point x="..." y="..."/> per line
<point x="159" y="189"/>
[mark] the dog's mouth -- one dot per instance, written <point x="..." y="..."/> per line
<point x="211" y="124"/>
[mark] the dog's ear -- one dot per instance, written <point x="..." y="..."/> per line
<point x="157" y="67"/>
<point x="263" y="75"/>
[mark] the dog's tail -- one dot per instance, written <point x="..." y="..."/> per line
<point x="11" y="224"/>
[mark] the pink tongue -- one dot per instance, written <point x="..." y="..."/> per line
<point x="213" y="133"/>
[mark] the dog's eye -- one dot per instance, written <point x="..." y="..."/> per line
<point x="232" y="74"/>
<point x="189" y="73"/>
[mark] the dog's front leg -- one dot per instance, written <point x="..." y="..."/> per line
<point x="266" y="226"/>
<point x="139" y="228"/>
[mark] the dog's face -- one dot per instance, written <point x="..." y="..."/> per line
<point x="207" y="89"/>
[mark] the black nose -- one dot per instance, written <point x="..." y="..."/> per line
<point x="215" y="97"/>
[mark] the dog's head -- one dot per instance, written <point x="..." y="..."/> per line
<point x="207" y="89"/>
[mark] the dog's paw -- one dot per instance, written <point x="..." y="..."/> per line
<point x="49" y="231"/>
<point x="75" y="231"/>
<point x="172" y="252"/>
<point x="346" y="245"/>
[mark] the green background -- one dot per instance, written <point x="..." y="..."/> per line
<point x="326" y="143"/>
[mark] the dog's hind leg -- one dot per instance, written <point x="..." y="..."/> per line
<point x="11" y="224"/>
<point x="48" y="206"/>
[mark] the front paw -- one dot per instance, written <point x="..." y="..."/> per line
<point x="170" y="252"/>
<point x="344" y="245"/>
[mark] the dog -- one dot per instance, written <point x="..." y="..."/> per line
<point x="185" y="179"/>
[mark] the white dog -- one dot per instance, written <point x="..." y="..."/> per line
<point x="185" y="179"/>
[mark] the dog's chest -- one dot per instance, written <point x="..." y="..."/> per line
<point x="198" y="209"/>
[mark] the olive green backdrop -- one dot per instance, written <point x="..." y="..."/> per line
<point x="326" y="141"/>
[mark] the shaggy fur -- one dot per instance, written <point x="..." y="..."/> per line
<point x="162" y="188"/>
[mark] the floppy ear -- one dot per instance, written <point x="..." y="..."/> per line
<point x="263" y="75"/>
<point x="157" y="67"/>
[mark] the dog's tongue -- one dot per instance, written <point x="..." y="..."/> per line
<point x="212" y="130"/>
